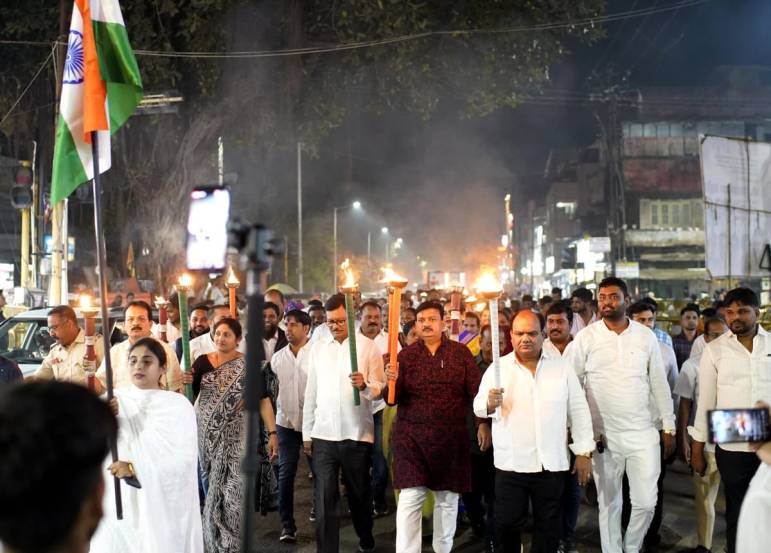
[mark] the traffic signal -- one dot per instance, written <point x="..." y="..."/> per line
<point x="21" y="191"/>
<point x="568" y="258"/>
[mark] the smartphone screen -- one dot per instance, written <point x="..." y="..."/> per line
<point x="207" y="233"/>
<point x="738" y="425"/>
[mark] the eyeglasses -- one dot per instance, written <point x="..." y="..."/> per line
<point x="336" y="322"/>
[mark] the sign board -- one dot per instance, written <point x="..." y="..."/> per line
<point x="48" y="244"/>
<point x="599" y="244"/>
<point x="736" y="175"/>
<point x="6" y="276"/>
<point x="627" y="269"/>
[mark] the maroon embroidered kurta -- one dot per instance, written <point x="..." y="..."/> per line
<point x="430" y="438"/>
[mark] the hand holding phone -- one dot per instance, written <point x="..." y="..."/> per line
<point x="738" y="425"/>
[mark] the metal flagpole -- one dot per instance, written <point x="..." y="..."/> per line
<point x="101" y="259"/>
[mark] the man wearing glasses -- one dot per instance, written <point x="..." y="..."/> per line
<point x="336" y="432"/>
<point x="436" y="382"/>
<point x="65" y="359"/>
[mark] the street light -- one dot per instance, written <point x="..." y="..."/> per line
<point x="355" y="205"/>
<point x="384" y="230"/>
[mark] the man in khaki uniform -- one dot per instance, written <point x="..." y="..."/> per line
<point x="138" y="323"/>
<point x="65" y="359"/>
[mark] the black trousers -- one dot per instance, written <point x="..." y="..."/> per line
<point x="514" y="491"/>
<point x="354" y="459"/>
<point x="736" y="470"/>
<point x="482" y="489"/>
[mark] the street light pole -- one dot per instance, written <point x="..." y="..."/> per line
<point x="300" y="216"/>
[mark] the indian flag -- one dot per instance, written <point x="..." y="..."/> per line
<point x="101" y="87"/>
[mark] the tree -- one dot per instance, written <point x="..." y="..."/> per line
<point x="264" y="106"/>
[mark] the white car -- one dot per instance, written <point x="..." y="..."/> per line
<point x="25" y="339"/>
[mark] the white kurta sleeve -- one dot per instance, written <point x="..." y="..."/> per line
<point x="309" y="405"/>
<point x="579" y="416"/>
<point x="707" y="396"/>
<point x="662" y="393"/>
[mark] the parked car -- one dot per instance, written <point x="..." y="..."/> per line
<point x="25" y="339"/>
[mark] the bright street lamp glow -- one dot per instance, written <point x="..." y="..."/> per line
<point x="384" y="230"/>
<point x="357" y="204"/>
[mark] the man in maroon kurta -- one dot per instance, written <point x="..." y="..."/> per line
<point x="436" y="384"/>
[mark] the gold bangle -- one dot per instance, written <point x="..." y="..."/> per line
<point x="131" y="469"/>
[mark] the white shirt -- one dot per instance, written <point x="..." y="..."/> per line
<point x="329" y="412"/>
<point x="121" y="376"/>
<point x="687" y="387"/>
<point x="531" y="432"/>
<point x="730" y="377"/>
<point x="620" y="373"/>
<point x="172" y="332"/>
<point x="550" y="348"/>
<point x="204" y="344"/>
<point x="670" y="369"/>
<point x="698" y="346"/>
<point x="381" y="343"/>
<point x="579" y="324"/>
<point x="292" y="374"/>
<point x="753" y="533"/>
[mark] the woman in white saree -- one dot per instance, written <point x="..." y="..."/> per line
<point x="157" y="437"/>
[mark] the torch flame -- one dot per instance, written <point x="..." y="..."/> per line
<point x="232" y="280"/>
<point x="488" y="283"/>
<point x="185" y="280"/>
<point x="350" y="281"/>
<point x="390" y="276"/>
<point x="85" y="301"/>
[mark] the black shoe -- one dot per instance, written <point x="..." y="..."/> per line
<point x="365" y="549"/>
<point x="288" y="535"/>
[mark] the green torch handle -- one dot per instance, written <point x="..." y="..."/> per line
<point x="185" y="325"/>
<point x="352" y="342"/>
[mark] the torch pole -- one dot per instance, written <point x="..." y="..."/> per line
<point x="495" y="335"/>
<point x="185" y="331"/>
<point x="89" y="359"/>
<point x="350" y="321"/>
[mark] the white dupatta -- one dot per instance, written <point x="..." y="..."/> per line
<point x="157" y="432"/>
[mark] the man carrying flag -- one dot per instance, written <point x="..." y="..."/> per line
<point x="101" y="87"/>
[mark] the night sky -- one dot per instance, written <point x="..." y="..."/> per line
<point x="441" y="184"/>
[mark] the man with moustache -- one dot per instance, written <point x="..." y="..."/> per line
<point x="581" y="305"/>
<point x="199" y="325"/>
<point x="734" y="373"/>
<point x="290" y="365"/>
<point x="619" y="362"/>
<point x="65" y="359"/>
<point x="138" y="323"/>
<point x="318" y="316"/>
<point x="274" y="338"/>
<point x="559" y="321"/>
<point x="337" y="433"/>
<point x="436" y="382"/>
<point x="538" y="396"/>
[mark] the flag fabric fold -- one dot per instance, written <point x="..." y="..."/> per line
<point x="101" y="87"/>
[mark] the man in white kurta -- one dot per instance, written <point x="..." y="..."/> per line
<point x="138" y="324"/>
<point x="619" y="362"/>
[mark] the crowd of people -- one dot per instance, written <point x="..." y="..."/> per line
<point x="588" y="393"/>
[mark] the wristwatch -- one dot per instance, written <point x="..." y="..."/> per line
<point x="588" y="455"/>
<point x="670" y="432"/>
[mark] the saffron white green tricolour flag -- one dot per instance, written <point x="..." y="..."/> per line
<point x="101" y="87"/>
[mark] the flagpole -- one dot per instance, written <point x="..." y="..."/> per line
<point x="101" y="259"/>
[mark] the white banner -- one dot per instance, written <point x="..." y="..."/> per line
<point x="736" y="175"/>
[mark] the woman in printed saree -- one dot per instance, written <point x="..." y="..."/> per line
<point x="219" y="408"/>
<point x="157" y="448"/>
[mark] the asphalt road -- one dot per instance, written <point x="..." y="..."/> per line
<point x="678" y="528"/>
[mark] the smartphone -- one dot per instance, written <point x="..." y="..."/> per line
<point x="207" y="232"/>
<point x="738" y="425"/>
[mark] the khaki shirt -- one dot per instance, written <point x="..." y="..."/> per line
<point x="122" y="377"/>
<point x="66" y="362"/>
